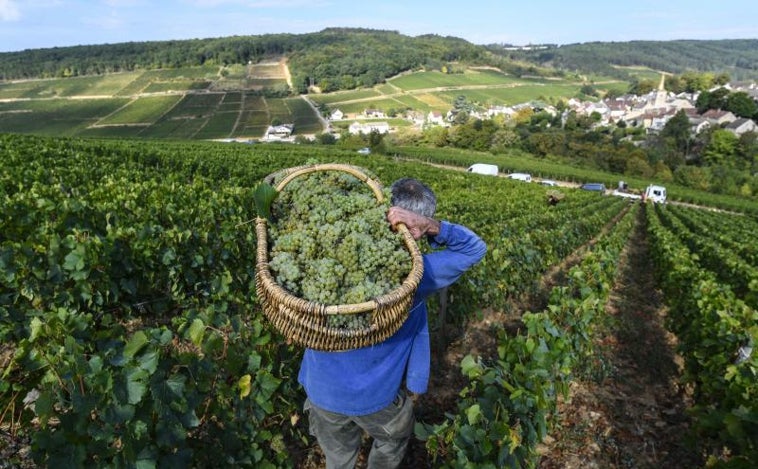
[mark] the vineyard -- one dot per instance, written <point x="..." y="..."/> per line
<point x="131" y="336"/>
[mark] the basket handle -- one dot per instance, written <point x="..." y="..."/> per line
<point x="375" y="187"/>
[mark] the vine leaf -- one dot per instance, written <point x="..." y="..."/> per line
<point x="264" y="196"/>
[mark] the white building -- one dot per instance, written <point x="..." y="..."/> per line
<point x="368" y="127"/>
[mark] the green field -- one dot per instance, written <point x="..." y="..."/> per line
<point x="55" y="116"/>
<point x="213" y="102"/>
<point x="345" y="96"/>
<point x="104" y="85"/>
<point x="434" y="79"/>
<point x="141" y="111"/>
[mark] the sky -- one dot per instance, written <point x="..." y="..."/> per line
<point x="33" y="24"/>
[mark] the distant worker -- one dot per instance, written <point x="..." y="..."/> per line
<point x="553" y="197"/>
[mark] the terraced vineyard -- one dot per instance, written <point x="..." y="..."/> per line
<point x="130" y="333"/>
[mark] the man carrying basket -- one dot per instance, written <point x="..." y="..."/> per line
<point x="359" y="390"/>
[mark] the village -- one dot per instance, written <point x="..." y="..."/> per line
<point x="650" y="111"/>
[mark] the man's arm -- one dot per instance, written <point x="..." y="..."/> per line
<point x="462" y="249"/>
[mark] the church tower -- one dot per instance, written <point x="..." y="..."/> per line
<point x="660" y="94"/>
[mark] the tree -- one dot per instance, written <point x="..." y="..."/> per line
<point x="721" y="149"/>
<point x="747" y="152"/>
<point x="376" y="142"/>
<point x="721" y="79"/>
<point x="636" y="166"/>
<point x="678" y="129"/>
<point x="715" y="99"/>
<point x="437" y="136"/>
<point x="325" y="138"/>
<point x="662" y="172"/>
<point x="642" y="86"/>
<point x="741" y="104"/>
<point x="588" y="90"/>
<point x="503" y="139"/>
<point x="693" y="176"/>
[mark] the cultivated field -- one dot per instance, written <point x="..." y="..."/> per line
<point x="130" y="320"/>
<point x="212" y="102"/>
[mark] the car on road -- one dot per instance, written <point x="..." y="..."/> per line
<point x="548" y="182"/>
<point x="593" y="186"/>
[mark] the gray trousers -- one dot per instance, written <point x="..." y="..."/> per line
<point x="339" y="436"/>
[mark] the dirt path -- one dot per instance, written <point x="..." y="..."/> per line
<point x="631" y="412"/>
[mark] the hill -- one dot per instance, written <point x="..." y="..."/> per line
<point x="346" y="58"/>
<point x="736" y="57"/>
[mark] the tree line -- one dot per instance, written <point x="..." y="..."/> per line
<point x="333" y="59"/>
<point x="738" y="57"/>
<point x="346" y="58"/>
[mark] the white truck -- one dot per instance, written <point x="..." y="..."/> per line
<point x="521" y="177"/>
<point x="656" y="194"/>
<point x="482" y="168"/>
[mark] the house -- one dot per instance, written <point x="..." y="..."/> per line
<point x="741" y="126"/>
<point x="337" y="115"/>
<point x="374" y="113"/>
<point x="655" y="120"/>
<point x="366" y="128"/>
<point x="617" y="108"/>
<point x="698" y="124"/>
<point x="506" y="111"/>
<point x="717" y="117"/>
<point x="435" y="118"/>
<point x="278" y="132"/>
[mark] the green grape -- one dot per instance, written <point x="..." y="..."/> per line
<point x="330" y="243"/>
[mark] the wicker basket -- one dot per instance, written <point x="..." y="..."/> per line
<point x="304" y="322"/>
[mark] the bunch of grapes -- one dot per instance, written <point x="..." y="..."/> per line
<point x="331" y="243"/>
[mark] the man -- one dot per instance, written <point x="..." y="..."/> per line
<point x="361" y="390"/>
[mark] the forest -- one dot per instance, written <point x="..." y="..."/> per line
<point x="738" y="57"/>
<point x="334" y="58"/>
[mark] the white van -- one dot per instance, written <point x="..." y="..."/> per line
<point x="521" y="177"/>
<point x="481" y="168"/>
<point x="656" y="194"/>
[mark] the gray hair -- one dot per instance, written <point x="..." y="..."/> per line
<point x="412" y="194"/>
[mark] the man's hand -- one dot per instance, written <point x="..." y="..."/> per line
<point x="418" y="225"/>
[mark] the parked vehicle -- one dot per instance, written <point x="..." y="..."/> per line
<point x="657" y="194"/>
<point x="593" y="186"/>
<point x="625" y="194"/>
<point x="482" y="168"/>
<point x="521" y="177"/>
<point x="548" y="182"/>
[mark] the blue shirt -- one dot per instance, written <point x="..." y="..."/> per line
<point x="365" y="380"/>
